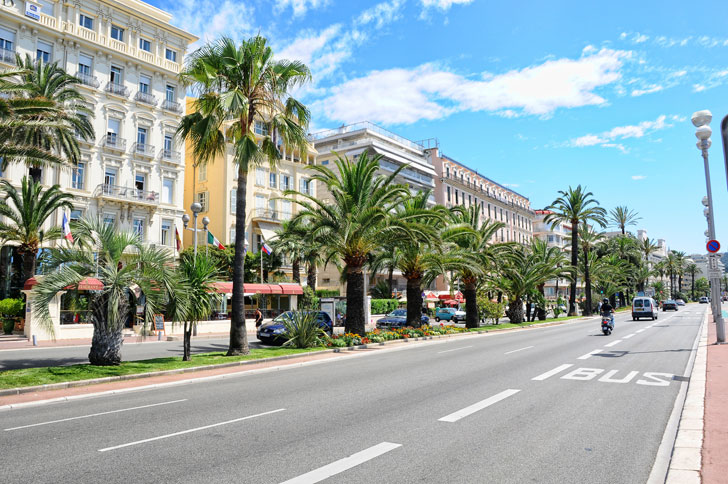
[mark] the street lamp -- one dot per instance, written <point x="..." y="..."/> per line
<point x="205" y="223"/>
<point x="701" y="120"/>
<point x="196" y="209"/>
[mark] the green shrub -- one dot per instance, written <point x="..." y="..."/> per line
<point x="327" y="292"/>
<point x="384" y="306"/>
<point x="492" y="310"/>
<point x="302" y="330"/>
<point x="308" y="300"/>
<point x="9" y="310"/>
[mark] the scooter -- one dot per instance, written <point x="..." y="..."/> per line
<point x="607" y="325"/>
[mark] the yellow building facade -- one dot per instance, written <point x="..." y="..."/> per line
<point x="214" y="187"/>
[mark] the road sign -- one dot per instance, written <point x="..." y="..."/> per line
<point x="713" y="246"/>
<point x="712" y="263"/>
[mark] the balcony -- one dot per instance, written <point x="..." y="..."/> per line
<point x="7" y="56"/>
<point x="126" y="194"/>
<point x="172" y="106"/>
<point x="265" y="214"/>
<point x="118" y="89"/>
<point x="87" y="80"/>
<point x="170" y="156"/>
<point x="143" y="149"/>
<point x="146" y="98"/>
<point x="113" y="142"/>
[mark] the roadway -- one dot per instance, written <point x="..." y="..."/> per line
<point x="562" y="404"/>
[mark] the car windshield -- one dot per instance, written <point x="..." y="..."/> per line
<point x="638" y="303"/>
<point x="398" y="312"/>
<point x="447" y="310"/>
<point x="669" y="301"/>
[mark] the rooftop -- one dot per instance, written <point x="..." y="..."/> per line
<point x="369" y="126"/>
<point x="483" y="176"/>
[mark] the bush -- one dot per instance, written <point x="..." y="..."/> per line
<point x="9" y="310"/>
<point x="308" y="300"/>
<point x="492" y="310"/>
<point x="302" y="330"/>
<point x="384" y="306"/>
<point x="327" y="292"/>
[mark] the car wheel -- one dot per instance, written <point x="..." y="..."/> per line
<point x="634" y="319"/>
<point x="437" y="319"/>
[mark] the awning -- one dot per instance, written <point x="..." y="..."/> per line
<point x="226" y="287"/>
<point x="268" y="230"/>
<point x="458" y="297"/>
<point x="88" y="284"/>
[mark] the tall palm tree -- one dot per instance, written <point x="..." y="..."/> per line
<point x="478" y="242"/>
<point x="26" y="211"/>
<point x="353" y="221"/>
<point x="120" y="261"/>
<point x="291" y="241"/>
<point x="71" y="117"/>
<point x="671" y="269"/>
<point x="623" y="217"/>
<point x="588" y="240"/>
<point x="573" y="207"/>
<point x="239" y="85"/>
<point x="680" y="260"/>
<point x="647" y="247"/>
<point x="692" y="269"/>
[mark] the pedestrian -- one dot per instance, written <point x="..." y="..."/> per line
<point x="258" y="318"/>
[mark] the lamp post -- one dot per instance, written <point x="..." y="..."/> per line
<point x="701" y="120"/>
<point x="205" y="223"/>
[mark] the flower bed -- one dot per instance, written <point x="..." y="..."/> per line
<point x="379" y="336"/>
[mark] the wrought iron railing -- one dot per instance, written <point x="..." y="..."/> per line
<point x="118" y="89"/>
<point x="143" y="149"/>
<point x="88" y="80"/>
<point x="114" y="141"/>
<point x="171" y="106"/>
<point x="145" y="98"/>
<point x="126" y="193"/>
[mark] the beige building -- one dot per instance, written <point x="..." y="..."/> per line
<point x="214" y="187"/>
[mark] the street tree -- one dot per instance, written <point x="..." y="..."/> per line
<point x="692" y="269"/>
<point x="623" y="217"/>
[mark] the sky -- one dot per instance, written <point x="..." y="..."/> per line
<point x="538" y="96"/>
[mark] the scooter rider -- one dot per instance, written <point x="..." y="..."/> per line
<point x="608" y="309"/>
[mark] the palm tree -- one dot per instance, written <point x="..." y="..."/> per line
<point x="588" y="241"/>
<point x="671" y="268"/>
<point x="647" y="247"/>
<point x="623" y="217"/>
<point x="575" y="206"/>
<point x="239" y="86"/>
<point x="692" y="269"/>
<point x="120" y="261"/>
<point x="680" y="260"/>
<point x="26" y="211"/>
<point x="70" y="118"/>
<point x="354" y="221"/>
<point x="291" y="241"/>
<point x="478" y="242"/>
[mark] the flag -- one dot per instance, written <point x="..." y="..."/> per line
<point x="212" y="240"/>
<point x="177" y="239"/>
<point x="267" y="250"/>
<point x="66" y="227"/>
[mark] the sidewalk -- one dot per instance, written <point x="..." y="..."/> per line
<point x="715" y="440"/>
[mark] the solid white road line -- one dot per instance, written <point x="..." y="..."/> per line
<point x="628" y="336"/>
<point x="190" y="430"/>
<point x="94" y="415"/>
<point x="454" y="349"/>
<point x="519" y="349"/>
<point x="613" y="343"/>
<point x="588" y="355"/>
<point x="454" y="417"/>
<point x="553" y="372"/>
<point x="640" y="330"/>
<point x="342" y="465"/>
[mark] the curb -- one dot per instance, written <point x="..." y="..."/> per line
<point x="194" y="369"/>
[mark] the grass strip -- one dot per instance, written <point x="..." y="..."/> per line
<point x="25" y="377"/>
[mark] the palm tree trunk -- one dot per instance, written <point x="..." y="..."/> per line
<point x="692" y="286"/>
<point x="390" y="281"/>
<point x="296" y="266"/>
<point x="106" y="346"/>
<point x="471" y="305"/>
<point x="574" y="264"/>
<point x="528" y="308"/>
<point x="355" y="300"/>
<point x="29" y="264"/>
<point x="35" y="173"/>
<point x="515" y="311"/>
<point x="587" y="285"/>
<point x="414" y="301"/>
<point x="187" y="341"/>
<point x="238" y="333"/>
<point x="311" y="276"/>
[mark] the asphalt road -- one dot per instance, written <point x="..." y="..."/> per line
<point x="562" y="404"/>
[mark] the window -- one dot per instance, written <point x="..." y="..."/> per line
<point x="258" y="242"/>
<point x="260" y="177"/>
<point x="117" y="33"/>
<point x="7" y="40"/>
<point x="273" y="180"/>
<point x="112" y="131"/>
<point x="168" y="145"/>
<point x="77" y="176"/>
<point x="260" y="204"/>
<point x="202" y="172"/>
<point x="286" y="210"/>
<point x="305" y="186"/>
<point x="232" y="235"/>
<point x="76" y="215"/>
<point x="110" y="176"/>
<point x="171" y="94"/>
<point x="167" y="237"/>
<point x="261" y="128"/>
<point x="44" y="51"/>
<point x="286" y="182"/>
<point x="86" y="21"/>
<point x="144" y="83"/>
<point x="170" y="55"/>
<point x="167" y="190"/>
<point x="117" y="75"/>
<point x="140" y="181"/>
<point x="109" y="219"/>
<point x="46" y="7"/>
<point x="233" y="201"/>
<point x="470" y="200"/>
<point x="85" y="64"/>
<point x="202" y="198"/>
<point x="145" y="45"/>
<point x="272" y="208"/>
<point x="448" y="194"/>
<point x="142" y="136"/>
<point x="447" y="171"/>
<point x="457" y="198"/>
<point x="138" y="225"/>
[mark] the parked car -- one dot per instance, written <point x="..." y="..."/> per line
<point x="703" y="300"/>
<point x="449" y="314"/>
<point x="272" y="333"/>
<point x="680" y="302"/>
<point x="644" y="307"/>
<point x="669" y="304"/>
<point x="398" y="319"/>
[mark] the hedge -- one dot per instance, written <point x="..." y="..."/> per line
<point x="327" y="292"/>
<point x="384" y="306"/>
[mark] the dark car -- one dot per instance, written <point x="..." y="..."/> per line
<point x="272" y="333"/>
<point x="669" y="304"/>
<point x="398" y="319"/>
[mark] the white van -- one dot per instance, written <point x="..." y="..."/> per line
<point x="644" y="307"/>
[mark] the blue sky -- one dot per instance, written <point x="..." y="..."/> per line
<point x="535" y="95"/>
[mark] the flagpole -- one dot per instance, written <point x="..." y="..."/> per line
<point x="261" y="265"/>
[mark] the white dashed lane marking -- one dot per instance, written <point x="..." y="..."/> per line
<point x="519" y="349"/>
<point x="588" y="355"/>
<point x="613" y="343"/>
<point x="455" y="416"/>
<point x="553" y="372"/>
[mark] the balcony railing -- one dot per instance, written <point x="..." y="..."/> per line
<point x="169" y="155"/>
<point x="88" y="80"/>
<point x="366" y="125"/>
<point x="118" y="89"/>
<point x="127" y="194"/>
<point x="113" y="141"/>
<point x="145" y="98"/>
<point x="171" y="106"/>
<point x="266" y="214"/>
<point x="143" y="149"/>
<point x="7" y="56"/>
<point x="484" y="192"/>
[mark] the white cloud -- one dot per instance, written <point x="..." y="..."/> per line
<point x="608" y="139"/>
<point x="699" y="87"/>
<point x="210" y="19"/>
<point x="623" y="35"/>
<point x="511" y="185"/>
<point x="428" y="92"/>
<point x="381" y="14"/>
<point x="648" y="90"/>
<point x="640" y="38"/>
<point x="300" y="7"/>
<point x="443" y="4"/>
<point x="638" y="177"/>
